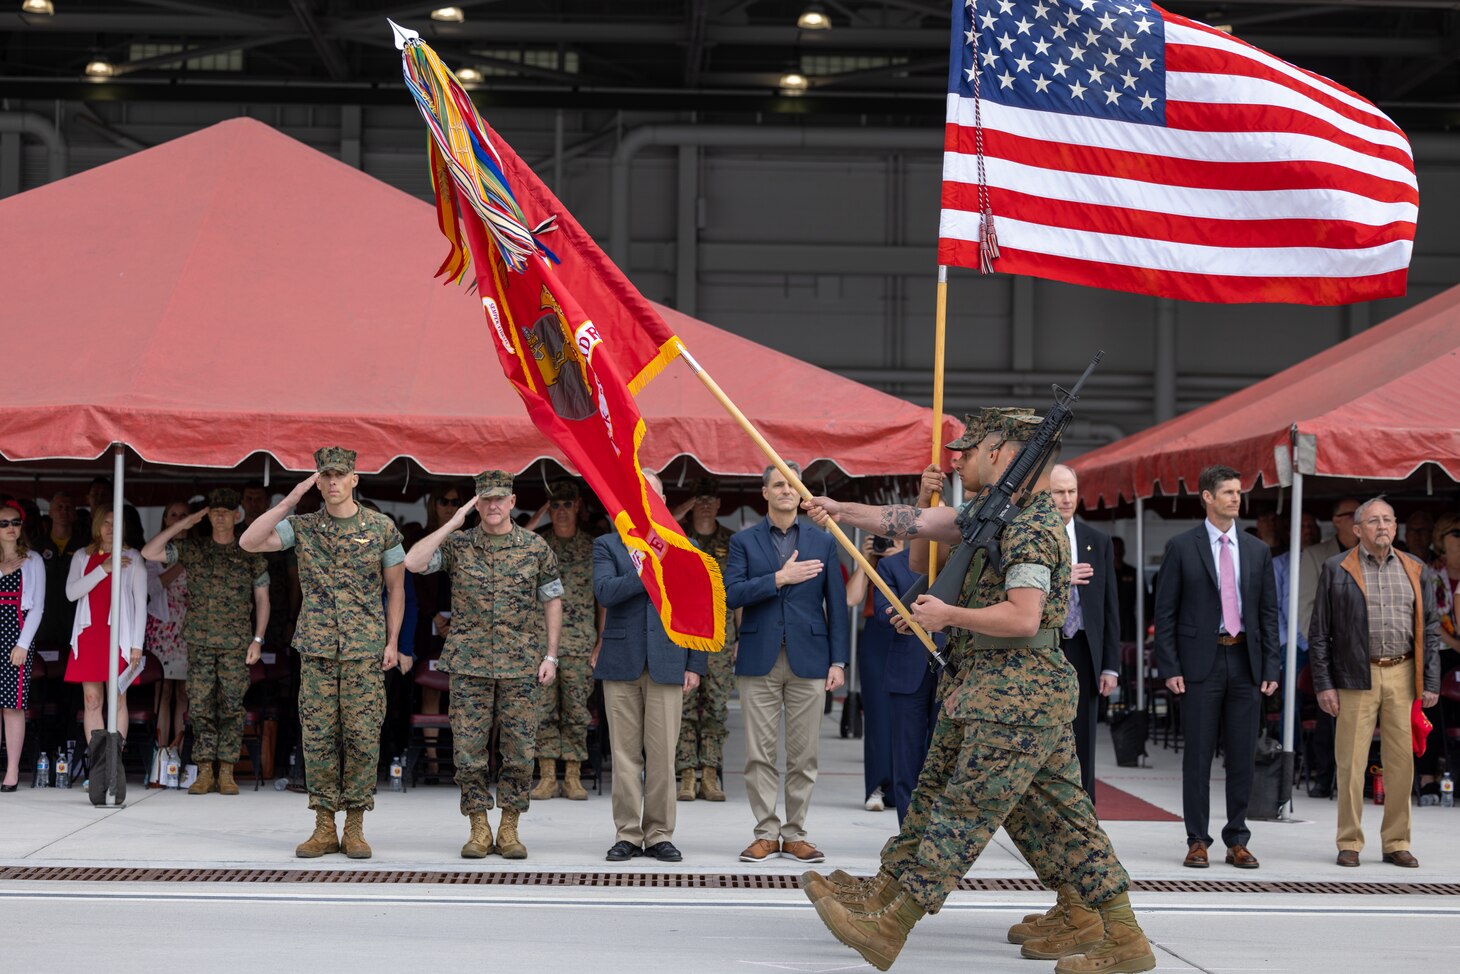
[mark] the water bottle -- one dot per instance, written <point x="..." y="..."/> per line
<point x="63" y="770"/>
<point x="1447" y="791"/>
<point x="396" y="770"/>
<point x="42" y="771"/>
<point x="70" y="759"/>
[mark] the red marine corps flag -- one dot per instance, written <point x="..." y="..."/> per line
<point x="574" y="337"/>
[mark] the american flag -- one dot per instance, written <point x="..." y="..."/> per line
<point x="1127" y="147"/>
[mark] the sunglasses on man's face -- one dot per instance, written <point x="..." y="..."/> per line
<point x="11" y="523"/>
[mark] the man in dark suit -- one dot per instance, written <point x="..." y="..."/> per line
<point x="645" y="678"/>
<point x="1091" y="634"/>
<point x="1217" y="647"/>
<point x="794" y="643"/>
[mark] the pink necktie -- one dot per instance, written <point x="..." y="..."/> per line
<point x="1231" y="618"/>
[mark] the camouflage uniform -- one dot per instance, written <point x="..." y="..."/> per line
<point x="221" y="580"/>
<point x="498" y="638"/>
<point x="702" y="721"/>
<point x="1005" y="755"/>
<point x="340" y="636"/>
<point x="562" y="733"/>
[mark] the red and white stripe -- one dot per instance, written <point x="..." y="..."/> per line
<point x="1267" y="183"/>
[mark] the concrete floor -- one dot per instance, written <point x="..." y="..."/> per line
<point x="384" y="927"/>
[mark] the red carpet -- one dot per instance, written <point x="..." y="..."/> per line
<point x="1114" y="805"/>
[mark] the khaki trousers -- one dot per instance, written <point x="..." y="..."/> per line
<point x="764" y="700"/>
<point x="643" y="724"/>
<point x="1387" y="701"/>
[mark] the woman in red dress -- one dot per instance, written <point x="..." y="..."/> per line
<point x="89" y="585"/>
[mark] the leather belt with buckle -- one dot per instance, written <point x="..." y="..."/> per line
<point x="1392" y="660"/>
<point x="1236" y="640"/>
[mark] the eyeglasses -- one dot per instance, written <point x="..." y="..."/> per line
<point x="561" y="505"/>
<point x="1378" y="522"/>
<point x="1345" y="516"/>
<point x="449" y="500"/>
<point x="19" y="522"/>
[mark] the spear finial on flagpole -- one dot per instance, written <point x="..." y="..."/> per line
<point x="403" y="35"/>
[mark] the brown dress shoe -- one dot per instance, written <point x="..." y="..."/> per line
<point x="760" y="850"/>
<point x="1402" y="857"/>
<point x="1196" y="856"/>
<point x="1238" y="856"/>
<point x="1348" y="857"/>
<point x="801" y="851"/>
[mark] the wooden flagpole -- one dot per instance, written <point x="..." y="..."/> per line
<point x="806" y="494"/>
<point x="939" y="343"/>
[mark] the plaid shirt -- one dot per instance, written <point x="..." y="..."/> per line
<point x="1391" y="605"/>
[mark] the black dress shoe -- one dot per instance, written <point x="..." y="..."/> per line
<point x="664" y="852"/>
<point x="8" y="788"/>
<point x="623" y="852"/>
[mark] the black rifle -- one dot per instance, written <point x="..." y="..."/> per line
<point x="1005" y="499"/>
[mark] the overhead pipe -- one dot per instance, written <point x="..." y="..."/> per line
<point x="36" y="126"/>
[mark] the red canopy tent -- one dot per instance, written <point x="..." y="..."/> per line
<point x="1377" y="406"/>
<point x="235" y="291"/>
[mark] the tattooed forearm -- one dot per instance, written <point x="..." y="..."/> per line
<point x="900" y="521"/>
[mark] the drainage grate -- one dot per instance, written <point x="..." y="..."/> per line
<point x="721" y="881"/>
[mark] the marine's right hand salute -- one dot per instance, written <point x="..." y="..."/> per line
<point x="260" y="535"/>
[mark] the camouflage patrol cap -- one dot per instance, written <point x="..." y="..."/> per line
<point x="985" y="421"/>
<point x="494" y="483"/>
<point x="334" y="458"/>
<point x="564" y="490"/>
<point x="973" y="432"/>
<point x="224" y="497"/>
<point x="705" y="487"/>
<point x="1019" y="426"/>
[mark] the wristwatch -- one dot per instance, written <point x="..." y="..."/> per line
<point x="550" y="659"/>
<point x="259" y="640"/>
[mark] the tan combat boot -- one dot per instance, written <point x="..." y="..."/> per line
<point x="1080" y="929"/>
<point x="572" y="787"/>
<point x="353" y="839"/>
<point x="547" y="780"/>
<point x="710" y="789"/>
<point x="479" y="846"/>
<point x="1036" y="925"/>
<point x="509" y="846"/>
<point x="686" y="785"/>
<point x="1125" y="949"/>
<point x="226" y="784"/>
<point x="867" y="897"/>
<point x="324" y="840"/>
<point x="878" y="937"/>
<point x="205" y="782"/>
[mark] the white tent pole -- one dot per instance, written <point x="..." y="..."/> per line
<point x="1295" y="549"/>
<point x="115" y="629"/>
<point x="1140" y="604"/>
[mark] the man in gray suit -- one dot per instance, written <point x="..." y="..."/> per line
<point x="645" y="678"/>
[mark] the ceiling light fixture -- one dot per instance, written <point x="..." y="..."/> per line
<point x="469" y="76"/>
<point x="43" y="7"/>
<point x="813" y="18"/>
<point x="451" y="15"/>
<point x="793" y="83"/>
<point x="99" y="68"/>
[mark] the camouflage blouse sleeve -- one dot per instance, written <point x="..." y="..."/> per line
<point x="549" y="581"/>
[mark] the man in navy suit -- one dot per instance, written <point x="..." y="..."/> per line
<point x="1090" y="638"/>
<point x="645" y="677"/>
<point x="1217" y="647"/>
<point x="794" y="642"/>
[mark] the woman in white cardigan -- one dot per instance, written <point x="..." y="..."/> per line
<point x="89" y="585"/>
<point x="22" y="600"/>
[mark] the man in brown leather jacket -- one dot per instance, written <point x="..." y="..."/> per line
<point x="1374" y="646"/>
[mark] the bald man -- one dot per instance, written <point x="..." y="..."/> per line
<point x="1091" y="635"/>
